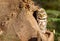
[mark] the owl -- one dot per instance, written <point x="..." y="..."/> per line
<point x="42" y="19"/>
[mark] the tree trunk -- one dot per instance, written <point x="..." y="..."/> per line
<point x="17" y="22"/>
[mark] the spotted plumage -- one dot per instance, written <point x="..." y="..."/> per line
<point x="42" y="19"/>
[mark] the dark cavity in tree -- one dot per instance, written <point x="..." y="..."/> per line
<point x="33" y="39"/>
<point x="35" y="14"/>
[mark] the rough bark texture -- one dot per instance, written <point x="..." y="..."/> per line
<point x="17" y="21"/>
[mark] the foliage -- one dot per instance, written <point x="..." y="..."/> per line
<point x="54" y="22"/>
<point x="51" y="4"/>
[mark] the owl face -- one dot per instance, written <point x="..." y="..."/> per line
<point x="41" y="14"/>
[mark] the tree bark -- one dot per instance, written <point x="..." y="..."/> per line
<point x="17" y="22"/>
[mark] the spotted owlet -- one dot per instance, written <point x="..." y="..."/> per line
<point x="42" y="19"/>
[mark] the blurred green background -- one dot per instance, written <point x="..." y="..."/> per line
<point x="52" y="8"/>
